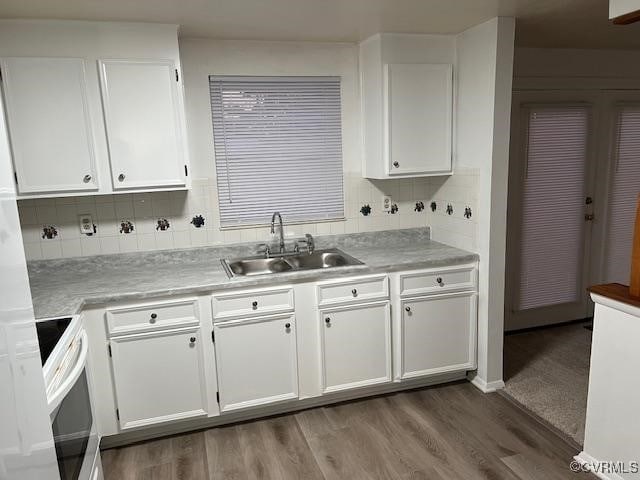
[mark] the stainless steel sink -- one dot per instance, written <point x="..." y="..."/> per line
<point x="322" y="259"/>
<point x="328" y="258"/>
<point x="255" y="266"/>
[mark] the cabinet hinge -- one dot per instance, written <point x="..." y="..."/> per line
<point x="118" y="414"/>
<point x="218" y="397"/>
<point x="109" y="349"/>
<point x="213" y="336"/>
<point x="177" y="76"/>
<point x="186" y="172"/>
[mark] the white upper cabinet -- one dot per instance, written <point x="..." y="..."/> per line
<point x="49" y="124"/>
<point x="142" y="116"/>
<point x="407" y="105"/>
<point x="93" y="107"/>
<point x="417" y="118"/>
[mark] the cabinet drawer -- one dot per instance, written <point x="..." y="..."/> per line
<point x="147" y="317"/>
<point x="355" y="289"/>
<point x="438" y="281"/>
<point x="252" y="302"/>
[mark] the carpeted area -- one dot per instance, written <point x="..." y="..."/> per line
<point x="547" y="371"/>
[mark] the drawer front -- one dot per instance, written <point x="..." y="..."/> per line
<point x="252" y="302"/>
<point x="148" y="317"/>
<point x="438" y="281"/>
<point x="353" y="290"/>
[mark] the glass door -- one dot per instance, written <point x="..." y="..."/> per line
<point x="620" y="191"/>
<point x="550" y="216"/>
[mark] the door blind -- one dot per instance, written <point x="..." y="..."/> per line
<point x="623" y="194"/>
<point x="552" y="222"/>
<point x="278" y="147"/>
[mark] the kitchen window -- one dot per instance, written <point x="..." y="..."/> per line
<point x="278" y="147"/>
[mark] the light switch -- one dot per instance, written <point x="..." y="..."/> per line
<point x="86" y="224"/>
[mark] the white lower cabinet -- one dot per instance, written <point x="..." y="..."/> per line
<point x="437" y="334"/>
<point x="338" y="336"/>
<point x="256" y="361"/>
<point x="158" y="376"/>
<point x="355" y="346"/>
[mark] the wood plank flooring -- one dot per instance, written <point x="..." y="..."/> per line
<point x="446" y="432"/>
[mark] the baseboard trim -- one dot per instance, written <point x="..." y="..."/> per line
<point x="484" y="386"/>
<point x="175" y="428"/>
<point x="586" y="460"/>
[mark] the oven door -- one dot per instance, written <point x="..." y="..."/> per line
<point x="74" y="432"/>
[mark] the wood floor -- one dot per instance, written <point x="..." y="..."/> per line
<point x="441" y="433"/>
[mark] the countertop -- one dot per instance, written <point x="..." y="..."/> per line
<point x="63" y="287"/>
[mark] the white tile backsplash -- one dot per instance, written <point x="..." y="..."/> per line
<point x="144" y="210"/>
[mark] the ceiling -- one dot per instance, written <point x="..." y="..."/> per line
<point x="540" y="23"/>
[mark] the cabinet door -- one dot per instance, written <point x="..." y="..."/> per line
<point x="356" y="346"/>
<point x="158" y="377"/>
<point x="257" y="362"/>
<point x="49" y="125"/>
<point x="418" y="118"/>
<point x="437" y="334"/>
<point x="143" y="120"/>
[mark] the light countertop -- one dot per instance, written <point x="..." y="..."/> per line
<point x="63" y="287"/>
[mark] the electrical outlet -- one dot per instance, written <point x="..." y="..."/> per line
<point x="386" y="203"/>
<point x="86" y="224"/>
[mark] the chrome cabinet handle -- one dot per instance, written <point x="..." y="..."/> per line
<point x="287" y="325"/>
<point x="439" y="281"/>
<point x="254" y="305"/>
<point x="121" y="177"/>
<point x="354" y="292"/>
<point x="86" y="179"/>
<point x="327" y="320"/>
<point x="153" y="317"/>
<point x="408" y="309"/>
<point x="192" y="340"/>
<point x="396" y="164"/>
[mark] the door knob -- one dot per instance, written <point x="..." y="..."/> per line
<point x="588" y="217"/>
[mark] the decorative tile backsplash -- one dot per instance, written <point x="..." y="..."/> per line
<point x="181" y="219"/>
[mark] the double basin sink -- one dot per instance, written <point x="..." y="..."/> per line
<point x="290" y="262"/>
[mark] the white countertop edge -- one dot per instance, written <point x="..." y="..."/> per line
<point x="616" y="304"/>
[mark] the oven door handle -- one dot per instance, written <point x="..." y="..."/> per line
<point x="56" y="397"/>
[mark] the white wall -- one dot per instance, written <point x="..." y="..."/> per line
<point x="201" y="58"/>
<point x="484" y="63"/>
<point x="618" y="8"/>
<point x="566" y="68"/>
<point x="612" y="422"/>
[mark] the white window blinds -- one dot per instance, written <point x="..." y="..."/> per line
<point x="278" y="147"/>
<point x="623" y="194"/>
<point x="552" y="221"/>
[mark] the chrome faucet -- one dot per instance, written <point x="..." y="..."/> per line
<point x="281" y="229"/>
